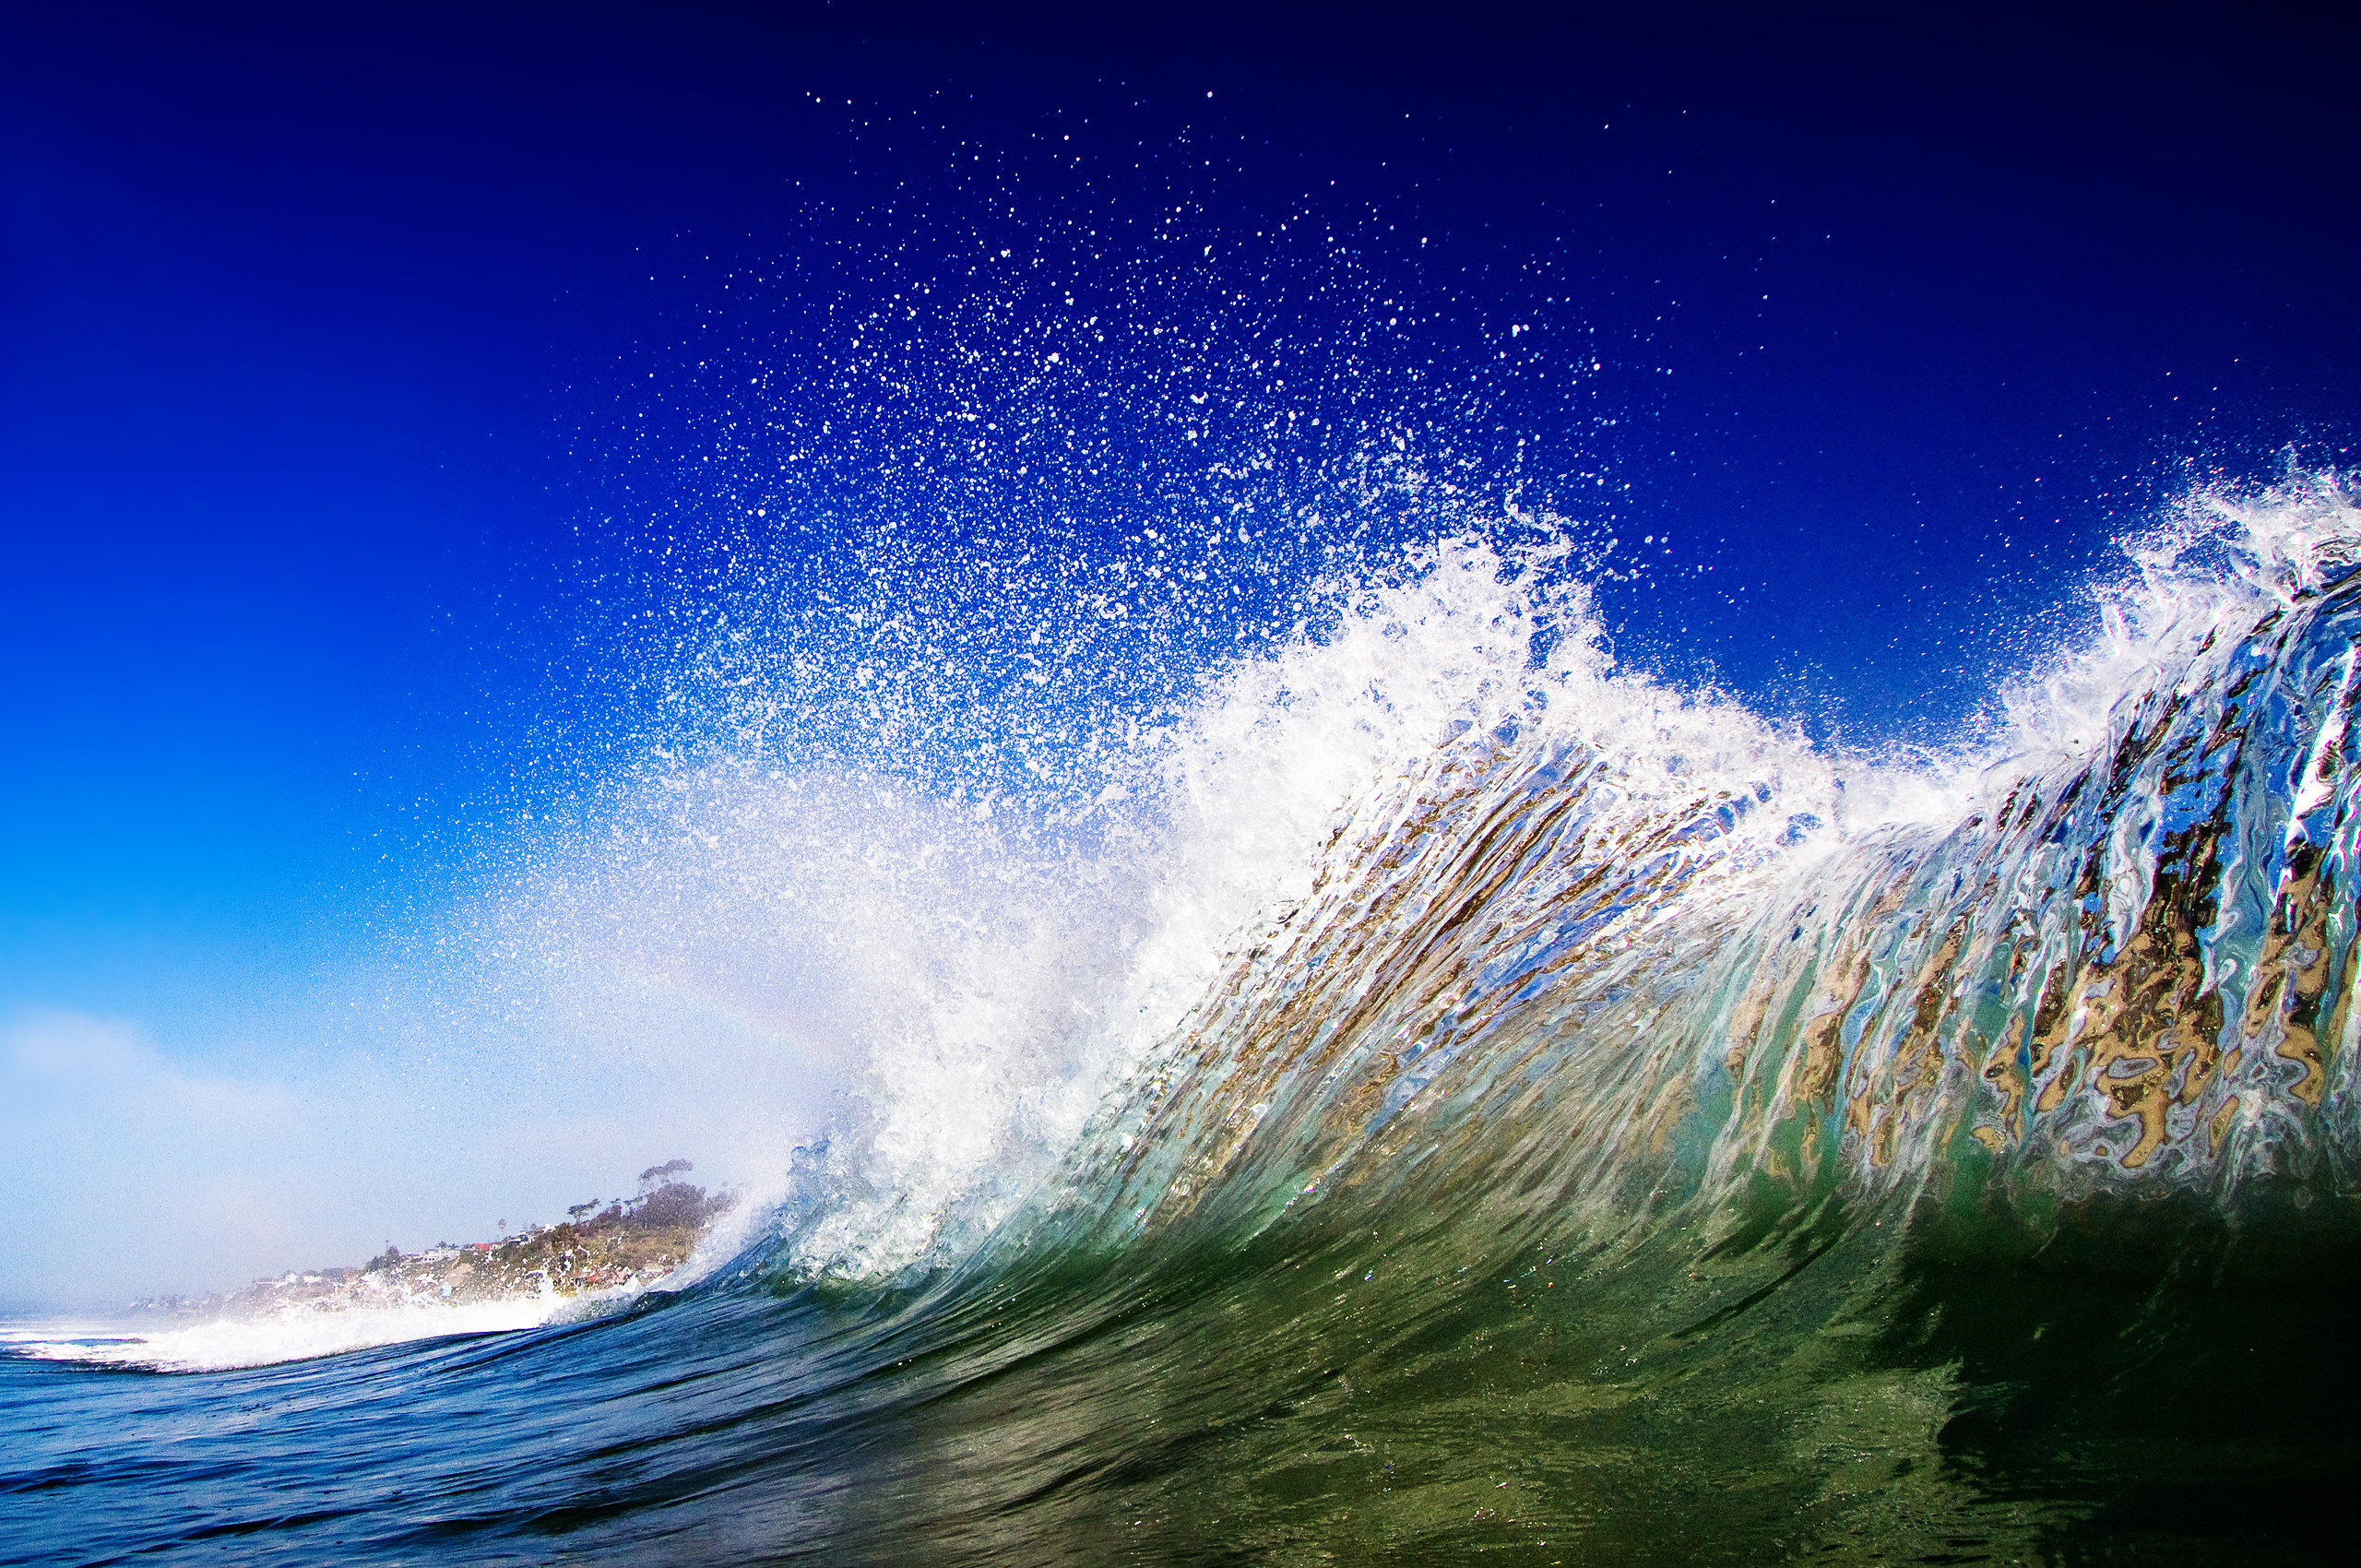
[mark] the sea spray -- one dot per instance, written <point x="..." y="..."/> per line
<point x="1550" y="925"/>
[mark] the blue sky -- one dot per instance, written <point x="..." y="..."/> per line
<point x="363" y="378"/>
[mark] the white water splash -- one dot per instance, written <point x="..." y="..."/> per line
<point x="225" y="1343"/>
<point x="986" y="973"/>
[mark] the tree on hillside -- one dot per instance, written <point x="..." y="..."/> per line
<point x="659" y="1175"/>
<point x="677" y="1203"/>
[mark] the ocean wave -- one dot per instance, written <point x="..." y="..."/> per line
<point x="1443" y="899"/>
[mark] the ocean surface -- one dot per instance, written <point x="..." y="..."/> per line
<point x="1459" y="1096"/>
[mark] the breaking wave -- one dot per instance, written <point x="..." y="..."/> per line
<point x="1443" y="897"/>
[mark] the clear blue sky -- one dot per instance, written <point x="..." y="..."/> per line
<point x="349" y="361"/>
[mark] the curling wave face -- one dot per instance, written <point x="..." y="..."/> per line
<point x="1559" y="924"/>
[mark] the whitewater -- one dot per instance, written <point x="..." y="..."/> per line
<point x="1410" y="1085"/>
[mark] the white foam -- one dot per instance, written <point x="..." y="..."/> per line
<point x="298" y="1335"/>
<point x="2218" y="560"/>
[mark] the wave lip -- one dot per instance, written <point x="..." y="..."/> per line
<point x="1631" y="947"/>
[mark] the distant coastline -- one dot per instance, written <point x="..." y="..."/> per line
<point x="628" y="1242"/>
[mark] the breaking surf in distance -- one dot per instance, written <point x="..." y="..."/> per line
<point x="229" y="1342"/>
<point x="1430" y="1087"/>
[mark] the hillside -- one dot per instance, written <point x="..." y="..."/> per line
<point x="630" y="1241"/>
